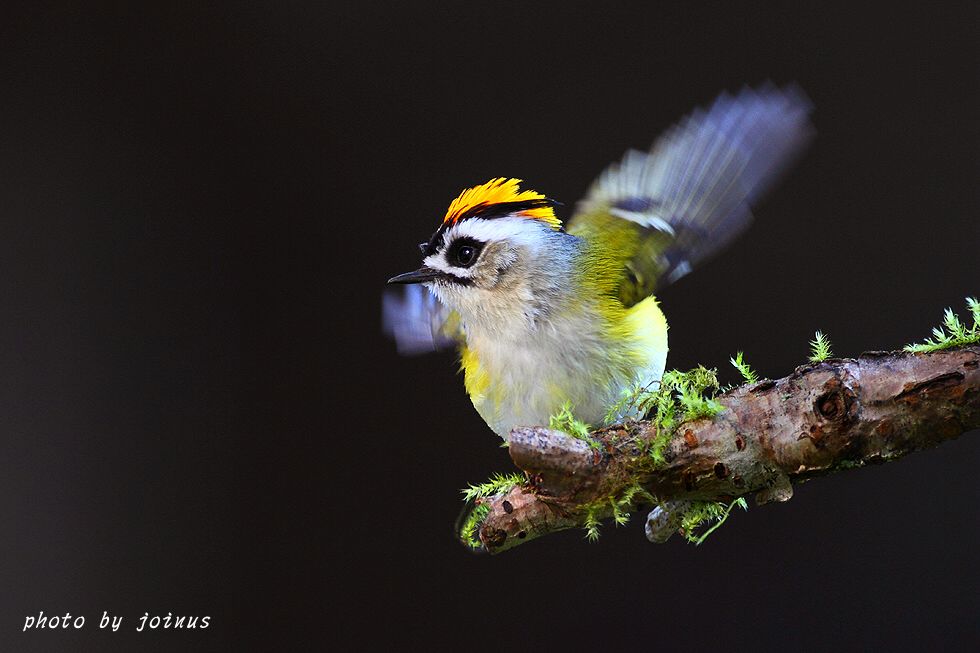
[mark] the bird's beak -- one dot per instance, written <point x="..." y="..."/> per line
<point x="421" y="275"/>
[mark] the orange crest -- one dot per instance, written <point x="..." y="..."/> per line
<point x="506" y="194"/>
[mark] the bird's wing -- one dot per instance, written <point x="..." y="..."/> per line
<point x="418" y="322"/>
<point x="690" y="195"/>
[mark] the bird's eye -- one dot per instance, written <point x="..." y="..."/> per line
<point x="463" y="253"/>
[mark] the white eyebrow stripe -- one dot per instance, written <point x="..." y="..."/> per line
<point x="519" y="230"/>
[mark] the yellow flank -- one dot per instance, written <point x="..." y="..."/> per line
<point x="649" y="326"/>
<point x="501" y="190"/>
<point x="631" y="319"/>
<point x="475" y="378"/>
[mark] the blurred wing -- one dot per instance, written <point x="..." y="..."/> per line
<point x="418" y="322"/>
<point x="691" y="194"/>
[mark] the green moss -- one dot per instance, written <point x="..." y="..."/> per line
<point x="747" y="372"/>
<point x="620" y="516"/>
<point x="619" y="507"/>
<point x="470" y="528"/>
<point x="592" y="526"/>
<point x="706" y="515"/>
<point x="565" y="421"/>
<point x="704" y="512"/>
<point x="820" y="348"/>
<point x="676" y="398"/>
<point x="953" y="333"/>
<point x="632" y="492"/>
<point x="498" y="484"/>
<point x="695" y="390"/>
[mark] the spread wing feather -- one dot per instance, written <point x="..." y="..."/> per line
<point x="691" y="194"/>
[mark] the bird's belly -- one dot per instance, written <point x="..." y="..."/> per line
<point x="544" y="393"/>
<point x="525" y="383"/>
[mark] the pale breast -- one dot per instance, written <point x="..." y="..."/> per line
<point x="524" y="381"/>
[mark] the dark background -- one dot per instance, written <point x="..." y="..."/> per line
<point x="200" y="207"/>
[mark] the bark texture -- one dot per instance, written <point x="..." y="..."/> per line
<point x="823" y="418"/>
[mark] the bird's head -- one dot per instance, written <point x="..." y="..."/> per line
<point x="492" y="244"/>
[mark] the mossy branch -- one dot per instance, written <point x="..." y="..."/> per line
<point x="825" y="417"/>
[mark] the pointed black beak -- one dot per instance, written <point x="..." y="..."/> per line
<point x="419" y="276"/>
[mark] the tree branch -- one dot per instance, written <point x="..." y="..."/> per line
<point x="821" y="419"/>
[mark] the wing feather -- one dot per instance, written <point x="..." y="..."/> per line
<point x="691" y="194"/>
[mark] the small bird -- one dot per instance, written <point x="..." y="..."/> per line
<point x="547" y="316"/>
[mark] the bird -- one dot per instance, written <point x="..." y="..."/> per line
<point x="547" y="315"/>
